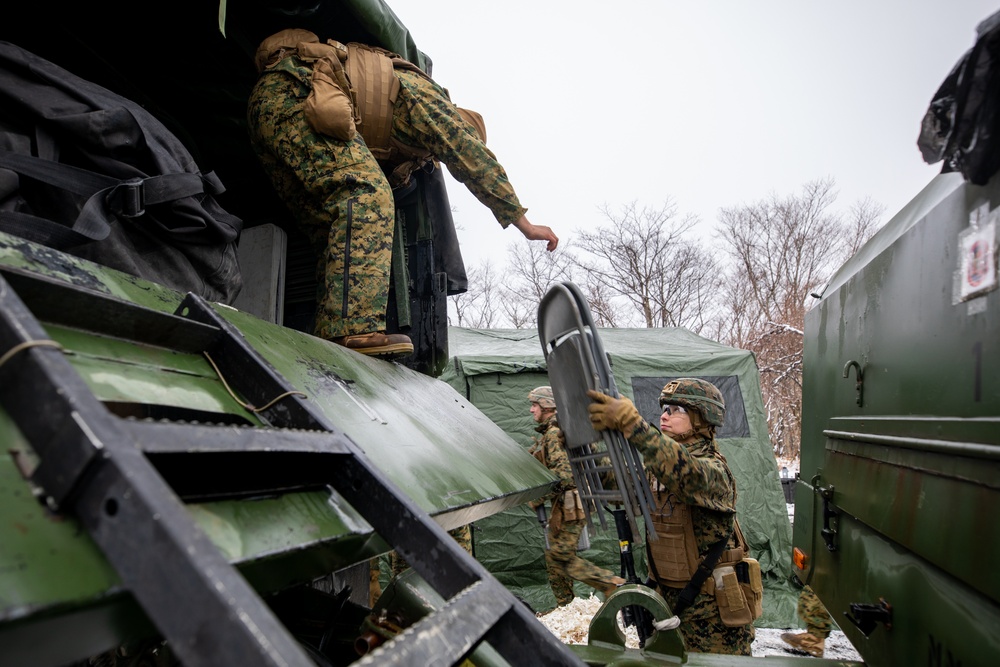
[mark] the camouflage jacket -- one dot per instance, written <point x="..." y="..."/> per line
<point x="548" y="449"/>
<point x="696" y="474"/>
<point x="424" y="116"/>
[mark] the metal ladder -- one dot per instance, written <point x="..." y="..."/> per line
<point x="100" y="468"/>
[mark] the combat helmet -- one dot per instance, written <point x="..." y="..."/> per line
<point x="542" y="396"/>
<point x="698" y="394"/>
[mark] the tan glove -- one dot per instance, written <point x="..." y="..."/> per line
<point x="612" y="413"/>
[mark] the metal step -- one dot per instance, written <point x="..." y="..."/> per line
<point x="127" y="482"/>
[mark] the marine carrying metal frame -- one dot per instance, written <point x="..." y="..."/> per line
<point x="576" y="363"/>
<point x="102" y="469"/>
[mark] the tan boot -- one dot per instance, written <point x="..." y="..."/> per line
<point x="805" y="642"/>
<point x="378" y="344"/>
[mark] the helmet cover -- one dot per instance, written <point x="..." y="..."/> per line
<point x="696" y="394"/>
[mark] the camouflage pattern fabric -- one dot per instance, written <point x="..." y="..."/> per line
<point x="424" y="117"/>
<point x="562" y="561"/>
<point x="814" y="614"/>
<point x="703" y="630"/>
<point x="697" y="473"/>
<point x="696" y="394"/>
<point x="338" y="195"/>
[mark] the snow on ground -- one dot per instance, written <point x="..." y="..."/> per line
<point x="571" y="625"/>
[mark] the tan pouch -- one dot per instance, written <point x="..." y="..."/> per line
<point x="753" y="587"/>
<point x="573" y="506"/>
<point x="732" y="603"/>
<point x="328" y="108"/>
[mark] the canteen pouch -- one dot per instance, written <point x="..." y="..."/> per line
<point x="748" y="574"/>
<point x="739" y="592"/>
<point x="733" y="606"/>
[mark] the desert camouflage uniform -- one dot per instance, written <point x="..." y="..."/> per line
<point x="697" y="474"/>
<point x="814" y="614"/>
<point x="561" y="559"/>
<point x="338" y="194"/>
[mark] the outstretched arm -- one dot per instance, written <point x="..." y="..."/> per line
<point x="537" y="233"/>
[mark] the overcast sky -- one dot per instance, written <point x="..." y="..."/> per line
<point x="710" y="103"/>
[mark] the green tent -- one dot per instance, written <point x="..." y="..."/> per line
<point x="495" y="368"/>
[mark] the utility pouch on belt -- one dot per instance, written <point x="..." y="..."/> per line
<point x="733" y="607"/>
<point x="572" y="506"/>
<point x="738" y="592"/>
<point x="748" y="574"/>
<point x="330" y="106"/>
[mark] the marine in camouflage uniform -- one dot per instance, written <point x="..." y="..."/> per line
<point x="566" y="520"/>
<point x="690" y="468"/>
<point x="424" y="117"/>
<point x="338" y="192"/>
<point x="339" y="197"/>
<point x="813" y="613"/>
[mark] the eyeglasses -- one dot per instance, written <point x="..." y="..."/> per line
<point x="673" y="409"/>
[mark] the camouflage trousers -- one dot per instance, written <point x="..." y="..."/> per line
<point x="702" y="627"/>
<point x="814" y="614"/>
<point x="338" y="196"/>
<point x="564" y="565"/>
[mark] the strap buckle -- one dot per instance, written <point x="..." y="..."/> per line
<point x="128" y="198"/>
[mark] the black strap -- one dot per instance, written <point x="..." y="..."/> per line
<point x="107" y="197"/>
<point x="704" y="571"/>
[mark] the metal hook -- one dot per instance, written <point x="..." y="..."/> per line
<point x="859" y="385"/>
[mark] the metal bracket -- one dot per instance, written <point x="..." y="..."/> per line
<point x="866" y="617"/>
<point x="829" y="532"/>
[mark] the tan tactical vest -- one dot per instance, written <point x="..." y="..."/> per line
<point x="364" y="78"/>
<point x="674" y="554"/>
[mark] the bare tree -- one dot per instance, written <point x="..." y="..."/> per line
<point x="478" y="307"/>
<point x="601" y="304"/>
<point x="644" y="259"/>
<point x="531" y="271"/>
<point x="783" y="249"/>
<point x="510" y="297"/>
<point x="862" y="223"/>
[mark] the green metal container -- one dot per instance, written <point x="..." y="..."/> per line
<point x="899" y="490"/>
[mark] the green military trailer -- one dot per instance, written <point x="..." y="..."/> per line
<point x="899" y="490"/>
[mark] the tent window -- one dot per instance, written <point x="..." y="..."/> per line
<point x="646" y="394"/>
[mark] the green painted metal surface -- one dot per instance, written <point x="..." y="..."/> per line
<point x="444" y="453"/>
<point x="910" y="464"/>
